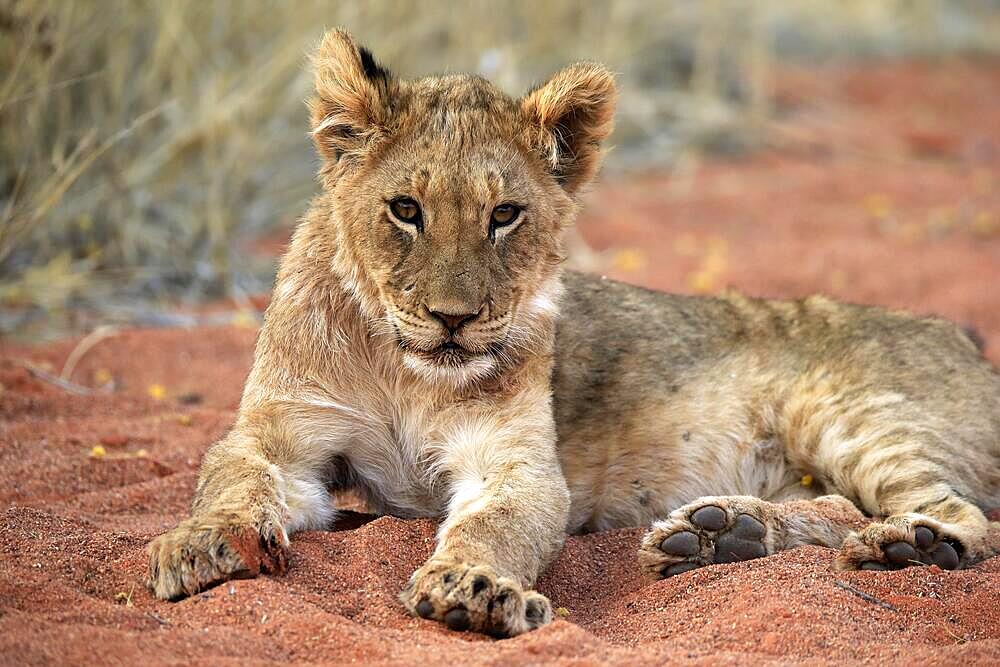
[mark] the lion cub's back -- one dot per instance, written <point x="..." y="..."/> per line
<point x="619" y="346"/>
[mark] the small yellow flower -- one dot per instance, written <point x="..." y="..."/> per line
<point x="98" y="452"/>
<point x="157" y="392"/>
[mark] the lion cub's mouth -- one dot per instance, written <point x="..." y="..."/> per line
<point x="450" y="363"/>
<point x="448" y="353"/>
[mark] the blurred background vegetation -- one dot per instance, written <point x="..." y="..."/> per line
<point x="144" y="146"/>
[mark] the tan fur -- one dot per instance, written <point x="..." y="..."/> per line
<point x="562" y="403"/>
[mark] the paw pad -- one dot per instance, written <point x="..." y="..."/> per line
<point x="709" y="518"/>
<point x="709" y="535"/>
<point x="742" y="541"/>
<point x="425" y="609"/>
<point x="680" y="568"/>
<point x="945" y="556"/>
<point x="872" y="565"/>
<point x="681" y="544"/>
<point x="923" y="537"/>
<point x="457" y="619"/>
<point x="901" y="553"/>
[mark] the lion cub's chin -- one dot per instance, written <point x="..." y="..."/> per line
<point x="449" y="368"/>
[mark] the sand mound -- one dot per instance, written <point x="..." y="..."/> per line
<point x="75" y="526"/>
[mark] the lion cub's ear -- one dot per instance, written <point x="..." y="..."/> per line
<point x="573" y="113"/>
<point x="351" y="106"/>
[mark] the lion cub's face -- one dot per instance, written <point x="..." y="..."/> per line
<point x="450" y="199"/>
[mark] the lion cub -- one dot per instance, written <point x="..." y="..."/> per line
<point x="424" y="347"/>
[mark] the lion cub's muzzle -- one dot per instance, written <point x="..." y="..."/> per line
<point x="447" y="337"/>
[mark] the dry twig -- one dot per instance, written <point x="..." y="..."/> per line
<point x="65" y="385"/>
<point x="864" y="596"/>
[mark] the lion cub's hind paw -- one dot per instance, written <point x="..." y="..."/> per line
<point x="900" y="543"/>
<point x="702" y="533"/>
<point x="467" y="597"/>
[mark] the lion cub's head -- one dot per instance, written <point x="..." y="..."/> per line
<point x="449" y="198"/>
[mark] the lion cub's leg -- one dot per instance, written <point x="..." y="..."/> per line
<point x="909" y="461"/>
<point x="245" y="506"/>
<point x="903" y="471"/>
<point x="727" y="529"/>
<point x="503" y="527"/>
<point x="505" y="521"/>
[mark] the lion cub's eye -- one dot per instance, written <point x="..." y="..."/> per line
<point x="503" y="215"/>
<point x="406" y="210"/>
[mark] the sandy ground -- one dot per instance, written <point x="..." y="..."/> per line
<point x="882" y="187"/>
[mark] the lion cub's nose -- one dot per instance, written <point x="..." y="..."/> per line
<point x="452" y="321"/>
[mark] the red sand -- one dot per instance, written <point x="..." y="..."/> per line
<point x="894" y="199"/>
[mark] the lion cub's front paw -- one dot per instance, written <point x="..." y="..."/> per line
<point x="723" y="529"/>
<point x="204" y="551"/>
<point x="898" y="542"/>
<point x="473" y="597"/>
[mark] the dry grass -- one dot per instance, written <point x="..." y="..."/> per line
<point x="141" y="143"/>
